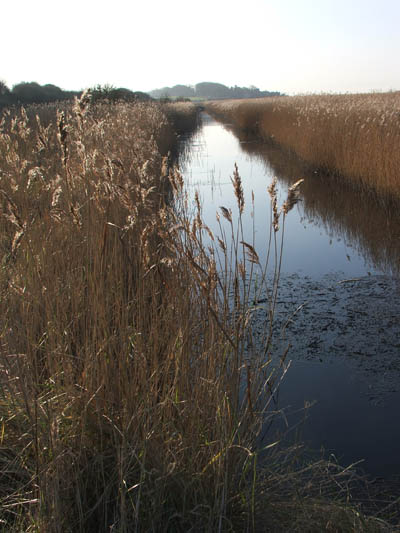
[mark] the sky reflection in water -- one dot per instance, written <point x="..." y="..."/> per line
<point x="335" y="233"/>
<point x="334" y="228"/>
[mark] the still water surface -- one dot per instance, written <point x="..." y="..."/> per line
<point x="341" y="262"/>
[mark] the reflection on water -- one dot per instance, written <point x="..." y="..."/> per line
<point x="370" y="224"/>
<point x="341" y="253"/>
<point x="342" y="421"/>
<point x="334" y="228"/>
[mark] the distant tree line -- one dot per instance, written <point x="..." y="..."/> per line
<point x="25" y="93"/>
<point x="210" y="90"/>
<point x="32" y="93"/>
<point x="113" y="94"/>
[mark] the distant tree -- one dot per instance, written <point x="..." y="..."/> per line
<point x="4" y="90"/>
<point x="29" y="93"/>
<point x="114" y="94"/>
<point x="140" y="96"/>
<point x="122" y="94"/>
<point x="101" y="92"/>
<point x="6" y="98"/>
<point x="271" y="93"/>
<point x="52" y="92"/>
<point x="160" y="93"/>
<point x="181" y="91"/>
<point x="33" y="93"/>
<point x="177" y="91"/>
<point x="236" y="92"/>
<point x="212" y="90"/>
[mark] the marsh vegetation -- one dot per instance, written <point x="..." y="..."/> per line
<point x="354" y="135"/>
<point x="130" y="397"/>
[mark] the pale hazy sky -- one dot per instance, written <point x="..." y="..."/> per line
<point x="293" y="46"/>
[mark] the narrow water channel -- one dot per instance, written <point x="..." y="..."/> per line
<point x="341" y="264"/>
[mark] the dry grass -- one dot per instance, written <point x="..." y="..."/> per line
<point x="356" y="135"/>
<point x="129" y="399"/>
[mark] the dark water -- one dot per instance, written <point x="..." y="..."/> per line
<point x="341" y="266"/>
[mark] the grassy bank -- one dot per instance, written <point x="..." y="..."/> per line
<point x="355" y="135"/>
<point x="130" y="399"/>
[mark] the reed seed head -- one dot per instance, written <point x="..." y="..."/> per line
<point x="292" y="197"/>
<point x="237" y="185"/>
<point x="227" y="213"/>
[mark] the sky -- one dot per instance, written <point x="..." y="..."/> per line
<point x="292" y="46"/>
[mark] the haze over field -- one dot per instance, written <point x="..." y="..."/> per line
<point x="290" y="46"/>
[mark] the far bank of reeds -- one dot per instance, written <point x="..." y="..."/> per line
<point x="355" y="135"/>
<point x="182" y="115"/>
<point x="129" y="399"/>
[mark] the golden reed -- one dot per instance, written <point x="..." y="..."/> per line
<point x="356" y="135"/>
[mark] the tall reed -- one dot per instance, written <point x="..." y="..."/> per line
<point x="129" y="399"/>
<point x="356" y="135"/>
<point x="120" y="399"/>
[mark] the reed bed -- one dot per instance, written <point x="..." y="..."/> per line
<point x="182" y="115"/>
<point x="355" y="135"/>
<point x="130" y="398"/>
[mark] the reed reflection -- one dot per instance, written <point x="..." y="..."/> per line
<point x="369" y="223"/>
